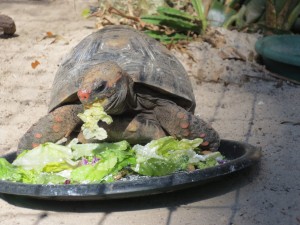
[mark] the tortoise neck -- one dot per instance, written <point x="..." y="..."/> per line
<point x="131" y="97"/>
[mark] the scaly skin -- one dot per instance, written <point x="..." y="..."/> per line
<point x="52" y="127"/>
<point x="182" y="124"/>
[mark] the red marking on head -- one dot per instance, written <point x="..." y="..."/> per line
<point x="38" y="135"/>
<point x="83" y="94"/>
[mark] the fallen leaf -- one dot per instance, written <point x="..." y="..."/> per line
<point x="35" y="64"/>
<point x="60" y="38"/>
<point x="56" y="38"/>
<point x="50" y="34"/>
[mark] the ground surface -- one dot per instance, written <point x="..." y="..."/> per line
<point x="262" y="112"/>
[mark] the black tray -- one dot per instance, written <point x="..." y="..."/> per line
<point x="241" y="156"/>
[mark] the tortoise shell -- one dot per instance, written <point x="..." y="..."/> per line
<point x="143" y="58"/>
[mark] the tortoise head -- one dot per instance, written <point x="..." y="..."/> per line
<point x="107" y="84"/>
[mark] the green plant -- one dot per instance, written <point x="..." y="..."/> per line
<point x="178" y="23"/>
<point x="282" y="14"/>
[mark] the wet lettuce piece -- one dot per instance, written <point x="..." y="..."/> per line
<point x="13" y="173"/>
<point x="44" y="154"/>
<point x="84" y="150"/>
<point x="165" y="156"/>
<point x="113" y="157"/>
<point x="55" y="167"/>
<point x="91" y="117"/>
<point x="210" y="160"/>
<point x="156" y="167"/>
<point x="8" y="171"/>
<point x="48" y="178"/>
<point x="93" y="173"/>
<point x="166" y="144"/>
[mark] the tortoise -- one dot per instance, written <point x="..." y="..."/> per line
<point x="138" y="81"/>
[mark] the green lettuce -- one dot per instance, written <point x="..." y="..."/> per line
<point x="210" y="160"/>
<point x="90" y="149"/>
<point x="165" y="155"/>
<point x="15" y="173"/>
<point x="168" y="144"/>
<point x="48" y="178"/>
<point x="91" y="117"/>
<point x="93" y="173"/>
<point x="113" y="157"/>
<point x="44" y="155"/>
<point x="8" y="171"/>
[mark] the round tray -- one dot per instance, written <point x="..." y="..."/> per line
<point x="241" y="156"/>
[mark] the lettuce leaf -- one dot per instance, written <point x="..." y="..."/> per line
<point x="164" y="145"/>
<point x="55" y="167"/>
<point x="156" y="167"/>
<point x="8" y="171"/>
<point x="91" y="117"/>
<point x="165" y="155"/>
<point x="48" y="178"/>
<point x="113" y="158"/>
<point x="44" y="154"/>
<point x="83" y="150"/>
<point x="13" y="173"/>
<point x="210" y="160"/>
<point x="93" y="173"/>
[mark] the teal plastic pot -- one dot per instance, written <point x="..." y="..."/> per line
<point x="281" y="55"/>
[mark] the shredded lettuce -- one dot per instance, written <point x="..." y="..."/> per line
<point x="91" y="117"/>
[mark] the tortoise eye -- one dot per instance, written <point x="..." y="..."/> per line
<point x="100" y="86"/>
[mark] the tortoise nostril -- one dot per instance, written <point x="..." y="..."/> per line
<point x="83" y="94"/>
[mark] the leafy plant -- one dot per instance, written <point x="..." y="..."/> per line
<point x="179" y="24"/>
<point x="172" y="18"/>
<point x="199" y="8"/>
<point x="281" y="15"/>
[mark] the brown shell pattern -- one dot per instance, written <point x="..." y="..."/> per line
<point x="145" y="59"/>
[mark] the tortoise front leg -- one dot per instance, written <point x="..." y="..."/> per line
<point x="182" y="124"/>
<point x="52" y="127"/>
